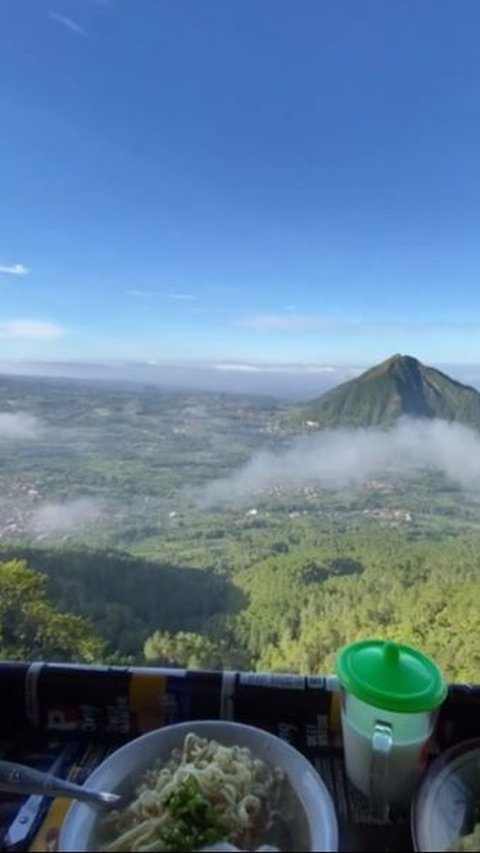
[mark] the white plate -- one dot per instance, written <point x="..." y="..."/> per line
<point x="447" y="799"/>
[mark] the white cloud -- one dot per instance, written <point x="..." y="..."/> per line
<point x="186" y="297"/>
<point x="32" y="329"/>
<point x="274" y="368"/>
<point x="65" y="517"/>
<point x="19" y="425"/>
<point x="296" y="322"/>
<point x="345" y="458"/>
<point x="13" y="269"/>
<point x="142" y="293"/>
<point x="68" y="23"/>
<point x="293" y="323"/>
<point x="183" y="297"/>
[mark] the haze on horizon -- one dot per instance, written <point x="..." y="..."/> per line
<point x="286" y="382"/>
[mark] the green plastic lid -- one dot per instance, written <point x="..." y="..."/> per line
<point x="391" y="676"/>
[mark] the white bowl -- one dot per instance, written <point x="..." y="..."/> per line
<point x="79" y="828"/>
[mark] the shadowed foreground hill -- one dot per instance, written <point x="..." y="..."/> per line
<point x="125" y="597"/>
<point x="396" y="387"/>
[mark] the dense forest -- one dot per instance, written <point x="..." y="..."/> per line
<point x="288" y="612"/>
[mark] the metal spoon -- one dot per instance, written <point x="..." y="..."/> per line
<point x="20" y="779"/>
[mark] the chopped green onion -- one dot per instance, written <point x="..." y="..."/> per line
<point x="196" y="822"/>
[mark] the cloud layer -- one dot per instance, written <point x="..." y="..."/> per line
<point x="19" y="425"/>
<point x="65" y="517"/>
<point x="336" y="459"/>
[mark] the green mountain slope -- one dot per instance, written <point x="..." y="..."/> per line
<point x="399" y="386"/>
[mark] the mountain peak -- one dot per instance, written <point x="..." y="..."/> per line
<point x="400" y="385"/>
<point x="398" y="359"/>
<point x="396" y="365"/>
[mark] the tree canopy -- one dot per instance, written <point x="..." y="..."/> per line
<point x="32" y="628"/>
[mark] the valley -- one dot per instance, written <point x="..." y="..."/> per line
<point x="201" y="530"/>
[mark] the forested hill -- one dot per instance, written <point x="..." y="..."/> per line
<point x="126" y="598"/>
<point x="401" y="385"/>
<point x="288" y="612"/>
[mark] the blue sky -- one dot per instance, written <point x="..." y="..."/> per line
<point x="266" y="182"/>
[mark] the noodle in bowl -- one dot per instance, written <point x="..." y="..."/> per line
<point x="241" y="778"/>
